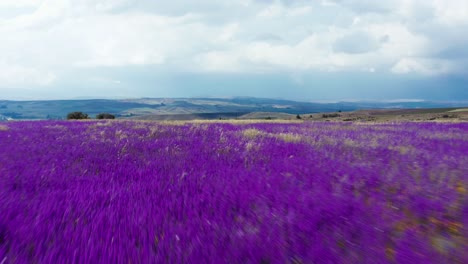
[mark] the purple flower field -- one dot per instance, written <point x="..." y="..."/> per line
<point x="145" y="192"/>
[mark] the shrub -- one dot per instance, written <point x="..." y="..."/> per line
<point x="331" y="115"/>
<point x="105" y="116"/>
<point x="298" y="117"/>
<point x="449" y="116"/>
<point x="77" y="115"/>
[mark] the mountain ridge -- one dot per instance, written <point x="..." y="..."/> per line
<point x="235" y="106"/>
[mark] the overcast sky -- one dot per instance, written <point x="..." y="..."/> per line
<point x="303" y="50"/>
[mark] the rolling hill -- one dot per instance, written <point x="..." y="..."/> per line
<point x="196" y="108"/>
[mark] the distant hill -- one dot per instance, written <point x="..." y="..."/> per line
<point x="267" y="115"/>
<point x="196" y="108"/>
<point x="4" y="118"/>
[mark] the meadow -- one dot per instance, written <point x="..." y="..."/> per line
<point x="214" y="192"/>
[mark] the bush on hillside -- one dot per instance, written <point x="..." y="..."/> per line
<point x="331" y="115"/>
<point x="449" y="116"/>
<point x="105" y="116"/>
<point x="77" y="115"/>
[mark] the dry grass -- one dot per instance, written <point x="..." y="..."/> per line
<point x="252" y="146"/>
<point x="4" y="128"/>
<point x="56" y="127"/>
<point x="230" y="121"/>
<point x="252" y="133"/>
<point x="246" y="121"/>
<point x="403" y="150"/>
<point x="120" y="134"/>
<point x="172" y="122"/>
<point x="102" y="124"/>
<point x="459" y="110"/>
<point x="288" y="137"/>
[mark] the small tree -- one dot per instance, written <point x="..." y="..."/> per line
<point x="298" y="117"/>
<point x="77" y="115"/>
<point x="105" y="116"/>
<point x="330" y="115"/>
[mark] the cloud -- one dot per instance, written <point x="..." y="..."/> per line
<point x="364" y="6"/>
<point x="424" y="66"/>
<point x="18" y="3"/>
<point x="279" y="10"/>
<point x="357" y="42"/>
<point x="450" y="13"/>
<point x="267" y="37"/>
<point x="49" y="37"/>
<point x="14" y="75"/>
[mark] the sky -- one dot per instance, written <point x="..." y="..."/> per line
<point x="315" y="50"/>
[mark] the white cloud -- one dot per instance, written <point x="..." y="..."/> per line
<point x="399" y="36"/>
<point x="424" y="66"/>
<point x="277" y="9"/>
<point x="13" y="75"/>
<point x="19" y="3"/>
<point x="453" y="12"/>
<point x="273" y="10"/>
<point x="218" y="61"/>
<point x="45" y="14"/>
<point x="109" y="5"/>
<point x="376" y="47"/>
<point x="228" y="32"/>
<point x="299" y="11"/>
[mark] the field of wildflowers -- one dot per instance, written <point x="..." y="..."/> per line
<point x="144" y="192"/>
